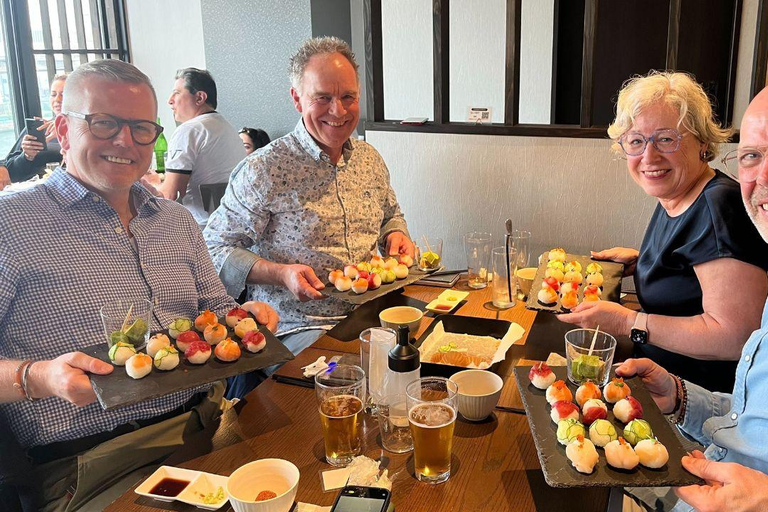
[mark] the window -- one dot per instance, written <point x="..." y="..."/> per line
<point x="43" y="38"/>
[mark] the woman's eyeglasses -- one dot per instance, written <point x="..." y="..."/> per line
<point x="664" y="141"/>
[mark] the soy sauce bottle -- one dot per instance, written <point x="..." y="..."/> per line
<point x="403" y="362"/>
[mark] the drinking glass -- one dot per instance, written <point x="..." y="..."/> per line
<point x="478" y="248"/>
<point x="375" y="344"/>
<point x="393" y="424"/>
<point x="583" y="365"/>
<point x="340" y="395"/>
<point x="127" y="320"/>
<point x="520" y="240"/>
<point x="501" y="277"/>
<point x="432" y="416"/>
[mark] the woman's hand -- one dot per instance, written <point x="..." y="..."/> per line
<point x="50" y="130"/>
<point x="623" y="255"/>
<point x="611" y="317"/>
<point x="31" y="147"/>
<point x="660" y="384"/>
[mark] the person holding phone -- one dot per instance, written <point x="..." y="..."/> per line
<point x="38" y="144"/>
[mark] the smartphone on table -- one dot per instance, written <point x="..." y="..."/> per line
<point x="354" y="498"/>
<point x="32" y="126"/>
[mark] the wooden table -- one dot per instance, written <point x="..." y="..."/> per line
<point x="494" y="464"/>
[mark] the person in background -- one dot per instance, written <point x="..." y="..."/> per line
<point x="27" y="157"/>
<point x="700" y="272"/>
<point x="204" y="148"/>
<point x="253" y="139"/>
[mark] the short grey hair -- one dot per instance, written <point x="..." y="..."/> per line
<point x="318" y="46"/>
<point x="112" y="70"/>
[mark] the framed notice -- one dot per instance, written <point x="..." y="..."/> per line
<point x="479" y="115"/>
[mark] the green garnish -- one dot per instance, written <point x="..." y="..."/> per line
<point x="212" y="499"/>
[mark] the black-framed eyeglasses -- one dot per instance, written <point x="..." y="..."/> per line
<point x="664" y="141"/>
<point x="106" y="126"/>
<point x="745" y="163"/>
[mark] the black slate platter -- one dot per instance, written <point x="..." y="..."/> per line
<point x="367" y="315"/>
<point x="558" y="471"/>
<point x="461" y="325"/>
<point x="414" y="274"/>
<point x="612" y="274"/>
<point x="118" y="389"/>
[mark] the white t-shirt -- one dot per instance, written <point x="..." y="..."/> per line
<point x="208" y="147"/>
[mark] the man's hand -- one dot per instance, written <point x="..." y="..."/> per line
<point x="302" y="282"/>
<point x="623" y="255"/>
<point x="263" y="313"/>
<point x="5" y="178"/>
<point x="66" y="377"/>
<point x="657" y="380"/>
<point x="611" y="317"/>
<point x="729" y="486"/>
<point x="398" y="243"/>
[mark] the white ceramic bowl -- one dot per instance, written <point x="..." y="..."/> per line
<point x="479" y="392"/>
<point x="276" y="475"/>
<point x="402" y="315"/>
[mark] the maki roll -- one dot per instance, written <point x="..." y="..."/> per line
<point x="120" y="352"/>
<point x="178" y="326"/>
<point x="214" y="333"/>
<point x="235" y="315"/>
<point x="628" y="409"/>
<point x="620" y="455"/>
<point x="558" y="392"/>
<point x="568" y="430"/>
<point x="244" y="326"/>
<point x="595" y="279"/>
<point x="637" y="430"/>
<point x="652" y="453"/>
<point x="157" y="342"/>
<point x="198" y="352"/>
<point x="586" y="391"/>
<point x="185" y="339"/>
<point x="616" y="390"/>
<point x="594" y="409"/>
<point x="563" y="411"/>
<point x="205" y="319"/>
<point x="254" y="341"/>
<point x="582" y="454"/>
<point x="138" y="366"/>
<point x="227" y="351"/>
<point x="541" y="376"/>
<point x="602" y="432"/>
<point x="167" y="359"/>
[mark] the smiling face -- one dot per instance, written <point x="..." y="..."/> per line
<point x="754" y="134"/>
<point x="329" y="101"/>
<point x="107" y="167"/>
<point x="666" y="176"/>
<point x="57" y="96"/>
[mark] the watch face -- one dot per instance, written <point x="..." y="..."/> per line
<point x="639" y="336"/>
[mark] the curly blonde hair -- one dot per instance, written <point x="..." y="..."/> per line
<point x="679" y="90"/>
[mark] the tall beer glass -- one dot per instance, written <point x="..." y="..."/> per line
<point x="432" y="416"/>
<point x="340" y="396"/>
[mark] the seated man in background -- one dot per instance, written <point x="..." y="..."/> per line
<point x="104" y="237"/>
<point x="311" y="200"/>
<point x="731" y="426"/>
<point x="204" y="148"/>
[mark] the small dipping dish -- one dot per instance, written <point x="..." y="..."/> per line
<point x="278" y="476"/>
<point x="478" y="393"/>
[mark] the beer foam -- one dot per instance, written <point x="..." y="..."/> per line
<point x="432" y="415"/>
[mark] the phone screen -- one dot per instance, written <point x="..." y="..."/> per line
<point x="359" y="504"/>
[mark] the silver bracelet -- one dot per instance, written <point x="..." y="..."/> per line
<point x="24" y="382"/>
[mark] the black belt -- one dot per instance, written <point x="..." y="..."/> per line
<point x="62" y="449"/>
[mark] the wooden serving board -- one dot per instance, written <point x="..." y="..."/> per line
<point x="558" y="471"/>
<point x="414" y="274"/>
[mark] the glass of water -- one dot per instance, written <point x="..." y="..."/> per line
<point x="501" y="297"/>
<point x="477" y="245"/>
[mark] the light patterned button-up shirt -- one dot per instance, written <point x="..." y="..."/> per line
<point x="63" y="255"/>
<point x="288" y="203"/>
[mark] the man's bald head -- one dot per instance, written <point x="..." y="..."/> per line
<point x="753" y="178"/>
<point x="109" y="70"/>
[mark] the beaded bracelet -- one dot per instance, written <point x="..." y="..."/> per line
<point x="24" y="382"/>
<point x="681" y="403"/>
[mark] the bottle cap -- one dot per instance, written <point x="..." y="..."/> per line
<point x="404" y="357"/>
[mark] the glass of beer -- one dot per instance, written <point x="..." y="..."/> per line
<point x="432" y="415"/>
<point x="340" y="395"/>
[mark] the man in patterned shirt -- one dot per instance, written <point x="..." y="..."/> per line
<point x="311" y="200"/>
<point x="103" y="236"/>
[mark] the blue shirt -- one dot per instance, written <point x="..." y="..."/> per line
<point x="67" y="259"/>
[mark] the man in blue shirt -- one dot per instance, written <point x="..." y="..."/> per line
<point x="733" y="427"/>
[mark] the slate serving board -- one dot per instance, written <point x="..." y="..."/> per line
<point x="558" y="471"/>
<point x="367" y="315"/>
<point x="119" y="390"/>
<point x="414" y="274"/>
<point x="612" y="275"/>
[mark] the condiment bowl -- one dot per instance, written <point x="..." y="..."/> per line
<point x="478" y="393"/>
<point x="402" y="315"/>
<point x="276" y="475"/>
<point x="525" y="279"/>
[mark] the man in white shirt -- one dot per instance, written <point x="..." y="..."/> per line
<point x="204" y="148"/>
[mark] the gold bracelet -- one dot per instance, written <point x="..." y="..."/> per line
<point x="24" y="382"/>
<point x="19" y="382"/>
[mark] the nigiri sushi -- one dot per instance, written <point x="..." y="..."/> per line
<point x="343" y="284"/>
<point x="558" y="392"/>
<point x="573" y="277"/>
<point x="334" y="275"/>
<point x="178" y="326"/>
<point x="541" y="376"/>
<point x="582" y="454"/>
<point x="573" y="266"/>
<point x="563" y="411"/>
<point x="205" y="319"/>
<point x="351" y="271"/>
<point x="568" y="430"/>
<point x="166" y="359"/>
<point x="602" y="432"/>
<point x="586" y="391"/>
<point x="138" y="366"/>
<point x="620" y="455"/>
<point x="594" y="268"/>
<point x="595" y="279"/>
<point x="652" y="453"/>
<point x="547" y="297"/>
<point x="245" y="325"/>
<point x="570" y="300"/>
<point x="557" y="254"/>
<point x="185" y="339"/>
<point x="628" y="409"/>
<point x="360" y="286"/>
<point x="616" y="390"/>
<point x="254" y="341"/>
<point x="227" y="351"/>
<point x="235" y="315"/>
<point x="120" y="352"/>
<point x="157" y="342"/>
<point x="401" y="271"/>
<point x="637" y="430"/>
<point x="198" y="352"/>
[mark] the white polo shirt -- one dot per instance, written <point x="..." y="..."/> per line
<point x="208" y="148"/>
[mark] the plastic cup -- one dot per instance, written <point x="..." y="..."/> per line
<point x="127" y="320"/>
<point x="375" y="344"/>
<point x="583" y="366"/>
<point x="393" y="424"/>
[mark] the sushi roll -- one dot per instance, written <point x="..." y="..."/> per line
<point x="343" y="284"/>
<point x="334" y="275"/>
<point x="167" y="359"/>
<point x="254" y="341"/>
<point x="558" y="392"/>
<point x="586" y="391"/>
<point x="360" y="286"/>
<point x="157" y="342"/>
<point x="205" y="319"/>
<point x="602" y="432"/>
<point x="374" y="281"/>
<point x="178" y="326"/>
<point x="568" y="430"/>
<point x="555" y="273"/>
<point x="351" y="271"/>
<point x="401" y="271"/>
<point x="214" y="333"/>
<point x="185" y="339"/>
<point x="235" y="315"/>
<point x="138" y="366"/>
<point x="547" y="297"/>
<point x="227" y="351"/>
<point x="652" y="453"/>
<point x="406" y="260"/>
<point x="541" y="376"/>
<point x="573" y="266"/>
<point x="563" y="411"/>
<point x="557" y="254"/>
<point x="245" y="325"/>
<point x="377" y="262"/>
<point x="363" y="266"/>
<point x="620" y="455"/>
<point x="582" y="454"/>
<point x="637" y="430"/>
<point x="120" y="352"/>
<point x="570" y="300"/>
<point x="616" y="390"/>
<point x="594" y="268"/>
<point x="573" y="277"/>
<point x="595" y="279"/>
<point x="628" y="409"/>
<point x="593" y="409"/>
<point x="198" y="352"/>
